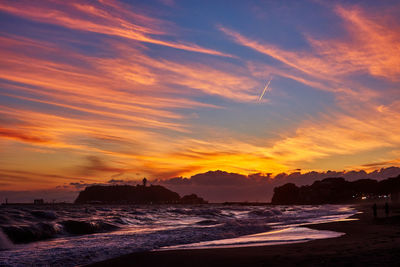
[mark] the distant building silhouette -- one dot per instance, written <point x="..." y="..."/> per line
<point x="38" y="201"/>
<point x="336" y="190"/>
<point x="144" y="181"/>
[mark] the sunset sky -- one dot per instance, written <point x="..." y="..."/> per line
<point x="98" y="90"/>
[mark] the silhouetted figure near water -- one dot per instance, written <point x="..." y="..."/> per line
<point x="375" y="208"/>
<point x="144" y="181"/>
<point x="387" y="209"/>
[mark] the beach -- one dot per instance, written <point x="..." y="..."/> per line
<point x="367" y="242"/>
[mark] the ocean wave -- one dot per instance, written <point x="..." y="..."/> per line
<point x="49" y="215"/>
<point x="5" y="243"/>
<point x="87" y="227"/>
<point x="207" y="222"/>
<point x="30" y="233"/>
<point x="74" y="235"/>
<point x="265" y="212"/>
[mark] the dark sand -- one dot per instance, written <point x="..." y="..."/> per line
<point x="367" y="242"/>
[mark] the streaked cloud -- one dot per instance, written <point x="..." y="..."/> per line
<point x="355" y="134"/>
<point x="104" y="17"/>
<point x="372" y="46"/>
<point x="123" y="90"/>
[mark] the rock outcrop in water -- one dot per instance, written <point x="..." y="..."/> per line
<point x="192" y="199"/>
<point x="140" y="194"/>
<point x="335" y="191"/>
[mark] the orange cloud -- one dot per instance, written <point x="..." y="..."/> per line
<point x="341" y="134"/>
<point x="127" y="113"/>
<point x="29" y="180"/>
<point x="25" y="137"/>
<point x="373" y="47"/>
<point x="375" y="44"/>
<point x="105" y="18"/>
<point x="363" y="124"/>
<point x="301" y="61"/>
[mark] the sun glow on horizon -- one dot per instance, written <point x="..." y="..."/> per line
<point x="96" y="90"/>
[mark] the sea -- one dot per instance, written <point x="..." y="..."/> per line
<point x="70" y="235"/>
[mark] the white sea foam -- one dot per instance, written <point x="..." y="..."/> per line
<point x="274" y="237"/>
<point x="5" y="243"/>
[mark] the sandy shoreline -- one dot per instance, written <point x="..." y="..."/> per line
<point x="367" y="242"/>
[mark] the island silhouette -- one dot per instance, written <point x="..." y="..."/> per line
<point x="139" y="194"/>
<point x="337" y="191"/>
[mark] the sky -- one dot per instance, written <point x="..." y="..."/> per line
<point x="100" y="91"/>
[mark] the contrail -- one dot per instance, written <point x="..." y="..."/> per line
<point x="265" y="89"/>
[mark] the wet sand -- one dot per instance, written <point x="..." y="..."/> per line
<point x="367" y="242"/>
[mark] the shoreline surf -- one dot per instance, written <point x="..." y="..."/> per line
<point x="79" y="240"/>
<point x="366" y="242"/>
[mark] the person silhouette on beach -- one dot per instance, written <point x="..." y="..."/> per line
<point x="375" y="208"/>
<point x="387" y="209"/>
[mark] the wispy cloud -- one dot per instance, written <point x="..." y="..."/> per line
<point x="372" y="47"/>
<point x="115" y="101"/>
<point x="18" y="135"/>
<point x="104" y="17"/>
